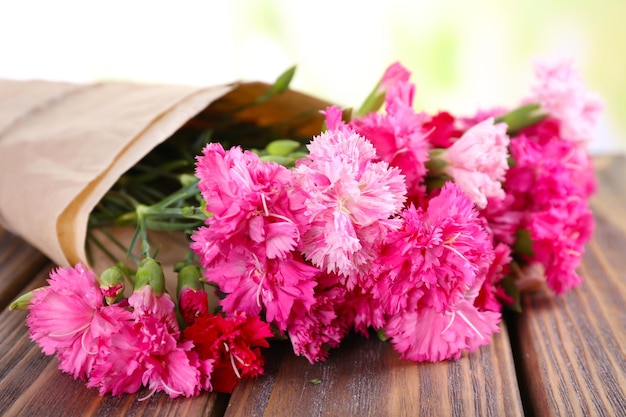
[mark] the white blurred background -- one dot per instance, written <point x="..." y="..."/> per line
<point x="463" y="55"/>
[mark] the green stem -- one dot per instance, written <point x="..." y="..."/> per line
<point x="101" y="246"/>
<point x="180" y="195"/>
<point x="522" y="117"/>
<point x="436" y="165"/>
<point x="143" y="231"/>
<point x="170" y="226"/>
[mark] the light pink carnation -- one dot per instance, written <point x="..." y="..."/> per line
<point x="349" y="200"/>
<point x="478" y="161"/>
<point x="562" y="93"/>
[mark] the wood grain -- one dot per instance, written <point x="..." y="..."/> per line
<point x="365" y="377"/>
<point x="18" y="263"/>
<point x="571" y="349"/>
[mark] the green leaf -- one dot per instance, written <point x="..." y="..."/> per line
<point x="282" y="147"/>
<point x="315" y="381"/>
<point x="280" y="85"/>
<point x="372" y="102"/>
<point x="280" y="160"/>
<point x="282" y="82"/>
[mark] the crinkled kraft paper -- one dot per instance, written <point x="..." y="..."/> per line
<point x="62" y="145"/>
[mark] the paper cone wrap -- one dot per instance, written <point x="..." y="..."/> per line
<point x="62" y="145"/>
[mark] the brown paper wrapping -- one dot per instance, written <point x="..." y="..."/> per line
<point x="62" y="146"/>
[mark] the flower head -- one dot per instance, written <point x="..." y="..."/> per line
<point x="192" y="299"/>
<point x="551" y="182"/>
<point x="398" y="135"/>
<point x="252" y="283"/>
<point x="349" y="199"/>
<point x="562" y="94"/>
<point x="478" y="161"/>
<point x="324" y="324"/>
<point x="249" y="202"/>
<point x="447" y="334"/>
<point x="427" y="270"/>
<point x="146" y="352"/>
<point x="231" y="346"/>
<point x="69" y="318"/>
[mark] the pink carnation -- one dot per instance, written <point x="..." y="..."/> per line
<point x="558" y="236"/>
<point x="427" y="271"/>
<point x="70" y="319"/>
<point x="252" y="283"/>
<point x="427" y="334"/>
<point x="491" y="295"/>
<point x="551" y="182"/>
<point x="395" y="74"/>
<point x="324" y="324"/>
<point x="146" y="303"/>
<point x="478" y="161"/>
<point x="562" y="93"/>
<point x="398" y="136"/>
<point x="349" y="200"/>
<point x="502" y="218"/>
<point x="249" y="202"/>
<point x="146" y="352"/>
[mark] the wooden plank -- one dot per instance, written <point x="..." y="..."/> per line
<point x="572" y="348"/>
<point x="365" y="377"/>
<point x="18" y="263"/>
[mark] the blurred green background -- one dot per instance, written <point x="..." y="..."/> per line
<point x="464" y="55"/>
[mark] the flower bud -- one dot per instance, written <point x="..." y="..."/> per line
<point x="150" y="272"/>
<point x="192" y="299"/>
<point x="22" y="302"/>
<point x="111" y="283"/>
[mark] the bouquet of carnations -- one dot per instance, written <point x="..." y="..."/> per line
<point x="416" y="227"/>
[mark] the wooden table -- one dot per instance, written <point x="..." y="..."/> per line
<point x="563" y="356"/>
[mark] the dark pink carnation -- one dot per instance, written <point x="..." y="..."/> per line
<point x="324" y="324"/>
<point x="428" y="271"/>
<point x="551" y="182"/>
<point x="398" y="136"/>
<point x="146" y="352"/>
<point x="69" y="318"/>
